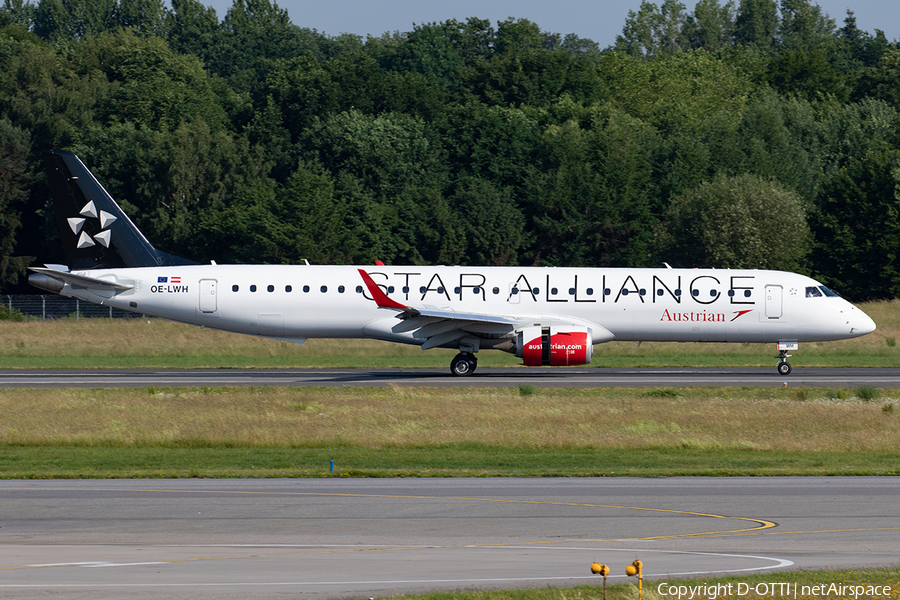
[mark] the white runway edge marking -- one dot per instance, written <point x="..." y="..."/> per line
<point x="98" y="564"/>
<point x="780" y="563"/>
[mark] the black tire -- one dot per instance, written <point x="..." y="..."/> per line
<point x="463" y="365"/>
<point x="784" y="368"/>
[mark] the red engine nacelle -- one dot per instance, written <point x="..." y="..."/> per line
<point x="554" y="346"/>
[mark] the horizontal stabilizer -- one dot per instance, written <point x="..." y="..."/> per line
<point x="78" y="281"/>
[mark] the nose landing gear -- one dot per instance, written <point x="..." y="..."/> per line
<point x="784" y="367"/>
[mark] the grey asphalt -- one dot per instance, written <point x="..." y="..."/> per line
<point x="365" y="538"/>
<point x="484" y="377"/>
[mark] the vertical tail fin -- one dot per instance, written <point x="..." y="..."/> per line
<point x="95" y="232"/>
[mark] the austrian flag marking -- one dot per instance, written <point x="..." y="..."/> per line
<point x="168" y="285"/>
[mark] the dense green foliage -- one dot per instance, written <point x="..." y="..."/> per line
<point x="751" y="134"/>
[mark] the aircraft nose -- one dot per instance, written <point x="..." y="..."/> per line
<point x="861" y="323"/>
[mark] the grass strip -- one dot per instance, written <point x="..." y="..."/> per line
<point x="432" y="432"/>
<point x="849" y="584"/>
<point x="80" y="462"/>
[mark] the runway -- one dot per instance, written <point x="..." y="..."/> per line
<point x="484" y="377"/>
<point x="153" y="539"/>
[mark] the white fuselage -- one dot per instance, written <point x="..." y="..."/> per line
<point x="673" y="305"/>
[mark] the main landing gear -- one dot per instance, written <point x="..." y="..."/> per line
<point x="784" y="367"/>
<point x="463" y="364"/>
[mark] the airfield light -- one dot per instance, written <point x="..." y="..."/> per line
<point x="598" y="569"/>
<point x="636" y="568"/>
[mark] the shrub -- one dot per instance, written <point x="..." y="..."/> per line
<point x="867" y="393"/>
<point x="663" y="393"/>
<point x="8" y="313"/>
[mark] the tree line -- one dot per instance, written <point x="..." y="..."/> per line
<point x="753" y="134"/>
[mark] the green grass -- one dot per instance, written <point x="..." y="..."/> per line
<point x="98" y="462"/>
<point x="445" y="432"/>
<point x="804" y="580"/>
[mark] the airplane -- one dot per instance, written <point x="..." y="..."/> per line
<point x="544" y="315"/>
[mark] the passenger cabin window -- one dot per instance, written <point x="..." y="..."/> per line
<point x="271" y="288"/>
<point x="252" y="288"/>
<point x="234" y="288"/>
<point x="288" y="289"/>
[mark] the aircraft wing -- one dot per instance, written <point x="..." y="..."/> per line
<point x="81" y="281"/>
<point x="437" y="326"/>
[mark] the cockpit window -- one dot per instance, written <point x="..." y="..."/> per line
<point x="828" y="292"/>
<point x="813" y="292"/>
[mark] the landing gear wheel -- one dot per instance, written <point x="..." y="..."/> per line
<point x="784" y="367"/>
<point x="463" y="364"/>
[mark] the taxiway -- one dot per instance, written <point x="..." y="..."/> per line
<point x="153" y="539"/>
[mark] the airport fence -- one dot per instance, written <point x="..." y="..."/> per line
<point x="52" y="306"/>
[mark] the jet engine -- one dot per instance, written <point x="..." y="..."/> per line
<point x="554" y="346"/>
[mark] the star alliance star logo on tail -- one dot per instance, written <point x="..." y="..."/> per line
<point x="76" y="224"/>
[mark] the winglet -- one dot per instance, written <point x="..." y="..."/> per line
<point x="381" y="299"/>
